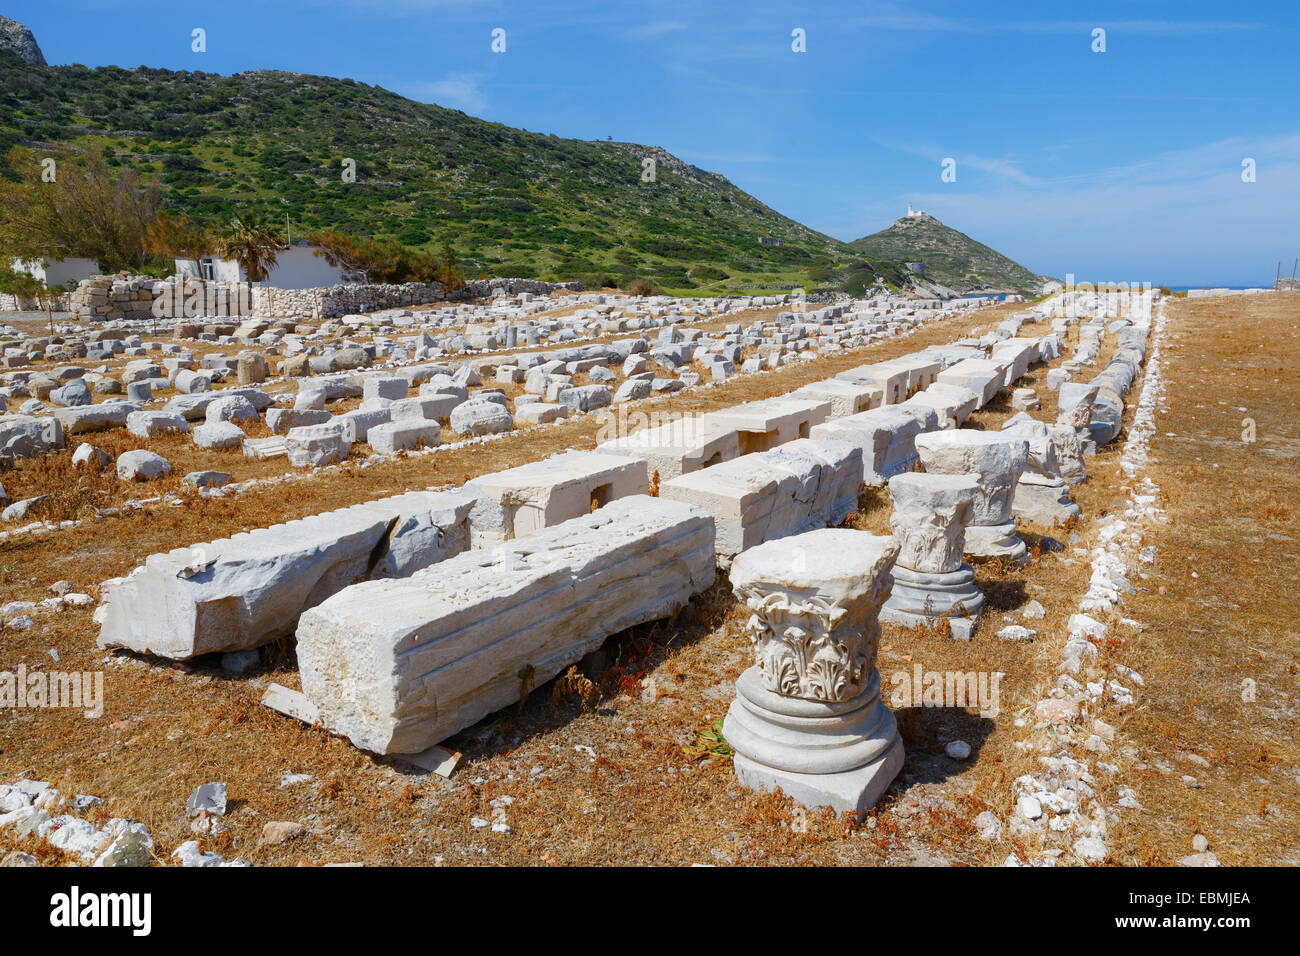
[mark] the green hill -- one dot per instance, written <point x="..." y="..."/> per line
<point x="951" y="258"/>
<point x="511" y="202"/>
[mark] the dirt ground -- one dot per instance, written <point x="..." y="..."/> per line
<point x="614" y="763"/>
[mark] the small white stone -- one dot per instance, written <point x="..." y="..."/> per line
<point x="957" y="749"/>
<point x="1091" y="849"/>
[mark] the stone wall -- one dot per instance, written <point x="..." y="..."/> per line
<point x="124" y="297"/>
<point x="12" y="303"/>
<point x="337" y="300"/>
<point x="112" y="298"/>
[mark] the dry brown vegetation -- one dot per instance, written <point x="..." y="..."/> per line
<point x="655" y="787"/>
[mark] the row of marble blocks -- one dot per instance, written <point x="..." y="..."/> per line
<point x="808" y="717"/>
<point x="399" y="665"/>
<point x="240" y="592"/>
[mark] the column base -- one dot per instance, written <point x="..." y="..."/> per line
<point x="921" y="598"/>
<point x="842" y="754"/>
<point x="1044" y="504"/>
<point x="996" y="541"/>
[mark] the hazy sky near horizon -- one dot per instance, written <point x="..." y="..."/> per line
<point x="1123" y="165"/>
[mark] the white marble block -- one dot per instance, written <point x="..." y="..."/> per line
<point x="796" y="487"/>
<point x="676" y="447"/>
<point x="240" y="592"/>
<point x="886" y="437"/>
<point x="765" y="424"/>
<point x="996" y="460"/>
<point x="397" y="666"/>
<point x="808" y="717"/>
<point x="931" y="582"/>
<point x="846" y="397"/>
<point x="518" y="501"/>
<point x="1042" y="495"/>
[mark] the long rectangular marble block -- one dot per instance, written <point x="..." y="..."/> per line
<point x="886" y="437"/>
<point x="921" y="370"/>
<point x="890" y="379"/>
<point x="983" y="377"/>
<point x="954" y="403"/>
<point x="1019" y="354"/>
<point x="846" y="397"/>
<point x="519" y="501"/>
<point x="240" y="592"/>
<point x="764" y="424"/>
<point x="677" y="447"/>
<point x="796" y="487"/>
<point x="400" y="665"/>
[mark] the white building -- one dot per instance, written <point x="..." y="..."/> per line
<point x="913" y="213"/>
<point x="57" y="272"/>
<point x="297" y="267"/>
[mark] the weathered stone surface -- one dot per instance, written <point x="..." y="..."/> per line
<point x="808" y="717"/>
<point x="1042" y="495"/>
<point x="194" y="407"/>
<point x="846" y="397"/>
<point x="148" y="424"/>
<point x="312" y="445"/>
<point x="480" y="417"/>
<point x="931" y="512"/>
<point x="952" y="403"/>
<point x="142" y="465"/>
<point x="87" y="453"/>
<point x="585" y="398"/>
<point x="219" y="436"/>
<point x="92" y="418"/>
<point x="26" y="436"/>
<point x="251" y="368"/>
<point x="76" y="392"/>
<point x="677" y="447"/>
<point x="280" y="420"/>
<point x="230" y="408"/>
<point x="885" y="436"/>
<point x="795" y="487"/>
<point x="390" y="437"/>
<point x="240" y="592"/>
<point x="996" y="460"/>
<point x="983" y="377"/>
<point x="450" y="643"/>
<point x="765" y="424"/>
<point x="518" y="501"/>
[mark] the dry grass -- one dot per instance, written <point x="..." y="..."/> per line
<point x="1218" y="605"/>
<point x="651" y="794"/>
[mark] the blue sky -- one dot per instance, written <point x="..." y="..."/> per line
<point x="1122" y="165"/>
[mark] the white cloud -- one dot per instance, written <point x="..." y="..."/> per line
<point x="457" y="91"/>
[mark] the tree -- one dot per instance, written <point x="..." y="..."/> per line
<point x="88" y="211"/>
<point x="344" y="252"/>
<point x="253" y="244"/>
<point x="368" y="259"/>
<point x="449" y="272"/>
<point x="177" y="237"/>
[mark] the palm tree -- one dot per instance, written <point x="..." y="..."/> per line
<point x="251" y="243"/>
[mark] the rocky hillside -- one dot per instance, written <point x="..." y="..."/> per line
<point x="510" y="202"/>
<point x="951" y="258"/>
<point x="19" y="40"/>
